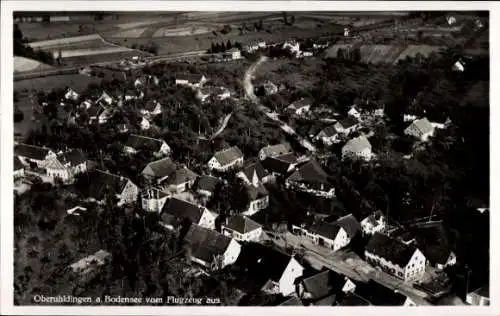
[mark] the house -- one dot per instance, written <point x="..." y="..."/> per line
<point x="98" y="113"/>
<point x="328" y="135"/>
<point x="222" y="93"/>
<point x="358" y="147"/>
<point x="275" y="150"/>
<point x="151" y="108"/>
<point x="71" y="95"/>
<point x="211" y="249"/>
<point x="354" y="113"/>
<point x="91" y="263"/>
<point x="241" y="228"/>
<point x="347" y="31"/>
<point x="310" y="177"/>
<point x="77" y="210"/>
<point x="375" y="222"/>
<point x="176" y="210"/>
<point x="401" y="260"/>
<point x="451" y="20"/>
<point x="270" y="88"/>
<point x="207" y="185"/>
<point x="378" y="295"/>
<point x="66" y="165"/>
<point x="102" y="183"/>
<point x="306" y="54"/>
<point x="233" y="53"/>
<point x="258" y="198"/>
<point x="299" y="107"/>
<point x="440" y="256"/>
<point x="421" y="129"/>
<point x="158" y="171"/>
<point x="31" y="155"/>
<point x="293" y="47"/>
<point x="86" y="104"/>
<point x="459" y="65"/>
<point x="347" y="125"/>
<point x="226" y="159"/>
<point x="409" y="117"/>
<point x="268" y="270"/>
<point x="180" y="180"/>
<point x="280" y="165"/>
<point x="322" y="288"/>
<point x="435" y="244"/>
<point x="18" y="168"/>
<point x="145" y="125"/>
<point x="192" y="80"/>
<point x="153" y="200"/>
<point x="479" y="297"/>
<point x="105" y="99"/>
<point x="136" y="143"/>
<point x="254" y="173"/>
<point x="334" y="235"/>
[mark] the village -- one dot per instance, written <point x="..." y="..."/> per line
<point x="223" y="198"/>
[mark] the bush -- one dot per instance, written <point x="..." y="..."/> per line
<point x="18" y="116"/>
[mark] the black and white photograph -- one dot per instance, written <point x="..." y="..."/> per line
<point x="305" y="158"/>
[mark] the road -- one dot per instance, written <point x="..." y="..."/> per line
<point x="250" y="94"/>
<point x="223" y="126"/>
<point x="349" y="265"/>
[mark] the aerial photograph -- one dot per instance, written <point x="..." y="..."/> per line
<point x="278" y="158"/>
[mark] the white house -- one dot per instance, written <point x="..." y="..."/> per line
<point x="18" y="168"/>
<point x="300" y="107"/>
<point x="71" y="95"/>
<point x="479" y="297"/>
<point x="358" y="147"/>
<point x="136" y="143"/>
<point x="373" y="223"/>
<point x="311" y="178"/>
<point x="145" y="125"/>
<point x="180" y="180"/>
<point x="66" y="165"/>
<point x="258" y="198"/>
<point x="401" y="260"/>
<point x="153" y="200"/>
<point x="226" y="159"/>
<point x="347" y="31"/>
<point x="294" y="47"/>
<point x="451" y="20"/>
<point x="274" y="150"/>
<point x="241" y="228"/>
<point x="316" y="288"/>
<point x="421" y="129"/>
<point x="328" y="136"/>
<point x="353" y="112"/>
<point x="211" y="249"/>
<point x="158" y="171"/>
<point x="255" y="173"/>
<point x="152" y="108"/>
<point x="409" y="117"/>
<point x="347" y="125"/>
<point x="176" y="210"/>
<point x="234" y="52"/>
<point x="103" y="183"/>
<point x="105" y="98"/>
<point x="29" y="154"/>
<point x="459" y="65"/>
<point x="192" y="80"/>
<point x="207" y="185"/>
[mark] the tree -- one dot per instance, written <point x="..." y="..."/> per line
<point x="340" y="53"/>
<point x="228" y="45"/>
<point x="18" y="35"/>
<point x="292" y="19"/>
<point x="285" y="19"/>
<point x="222" y="47"/>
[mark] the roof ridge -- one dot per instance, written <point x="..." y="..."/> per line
<point x="142" y="136"/>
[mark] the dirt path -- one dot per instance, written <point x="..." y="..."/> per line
<point x="249" y="92"/>
<point x="223" y="126"/>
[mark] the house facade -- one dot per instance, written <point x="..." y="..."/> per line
<point x="182" y="209"/>
<point x="66" y="165"/>
<point x="241" y="228"/>
<point x="274" y="151"/>
<point x="194" y="81"/>
<point x="373" y="223"/>
<point x="311" y="178"/>
<point x="135" y="143"/>
<point x="226" y="159"/>
<point x="285" y="285"/>
<point x="328" y="136"/>
<point x="18" y="168"/>
<point x="479" y="297"/>
<point x="153" y="200"/>
<point x="30" y="154"/>
<point x="358" y="147"/>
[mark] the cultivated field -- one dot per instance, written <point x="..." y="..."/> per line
<point x="77" y="82"/>
<point x="25" y="64"/>
<point x="298" y="74"/>
<point x="64" y="41"/>
<point x="184" y="31"/>
<point x="413" y="50"/>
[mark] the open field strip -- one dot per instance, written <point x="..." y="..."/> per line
<point x="139" y="24"/>
<point x="26" y="64"/>
<point x="412" y="51"/>
<point x="183" y="31"/>
<point x="133" y="32"/>
<point x="93" y="51"/>
<point x="64" y="41"/>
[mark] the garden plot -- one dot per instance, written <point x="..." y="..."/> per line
<point x="134" y="32"/>
<point x="64" y="41"/>
<point x="26" y="64"/>
<point x="184" y="31"/>
<point x="380" y="54"/>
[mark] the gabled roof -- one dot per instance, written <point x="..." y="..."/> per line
<point x="309" y="172"/>
<point x="252" y="168"/>
<point x="299" y="103"/>
<point x="232" y="50"/>
<point x="74" y="157"/>
<point x="352" y="299"/>
<point x="183" y="209"/>
<point x="255" y="193"/>
<point x="323" y="284"/>
<point x="373" y="218"/>
<point x="18" y="165"/>
<point x="350" y="224"/>
<point x="206" y="243"/>
<point x="357" y="144"/>
<point x="151" y="105"/>
<point x="277" y="150"/>
<point x="208" y="183"/>
<point x="292" y="301"/>
<point x="423" y="125"/>
<point x="100" y="181"/>
<point x="379" y="295"/>
<point x="140" y="142"/>
<point x="192" y="78"/>
<point x="437" y="254"/>
<point x="348" y="122"/>
<point x="31" y="151"/>
<point x="241" y="224"/>
<point x="228" y="155"/>
<point x="390" y="249"/>
<point x="276" y="165"/>
<point x="329" y="131"/>
<point x="161" y="168"/>
<point x="324" y="229"/>
<point x="180" y="176"/>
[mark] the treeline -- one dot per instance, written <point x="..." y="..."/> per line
<point x="221" y="47"/>
<point x="24" y="50"/>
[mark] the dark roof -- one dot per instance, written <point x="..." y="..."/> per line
<point x="206" y="243"/>
<point x="483" y="291"/>
<point x="326" y="301"/>
<point x="74" y="157"/>
<point x="100" y="181"/>
<point x="290" y="158"/>
<point x="150" y="105"/>
<point x="241" y="224"/>
<point x="277" y="150"/>
<point x="378" y="294"/>
<point x="94" y="110"/>
<point x="348" y="122"/>
<point x="18" y="164"/>
<point x="180" y="176"/>
<point x="255" y="167"/>
<point x="309" y="172"/>
<point x="323" y="284"/>
<point x="299" y="103"/>
<point x="350" y="224"/>
<point x="327" y="230"/>
<point x="208" y="183"/>
<point x="192" y="78"/>
<point x="373" y="218"/>
<point x="30" y="151"/>
<point x="390" y="249"/>
<point x="255" y="193"/>
<point x="139" y="142"/>
<point x="292" y="301"/>
<point x="276" y="165"/>
<point x="228" y="155"/>
<point x="161" y="168"/>
<point x="329" y="131"/>
<point x="352" y="299"/>
<point x="437" y="254"/>
<point x="183" y="209"/>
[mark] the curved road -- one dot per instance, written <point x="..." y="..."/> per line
<point x="249" y="92"/>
